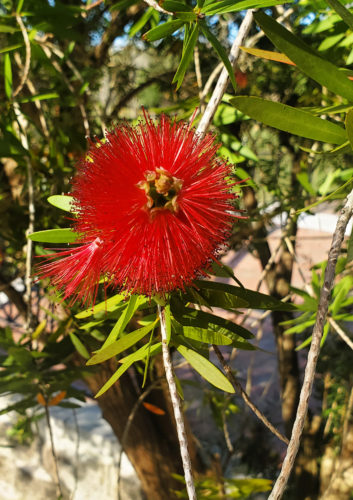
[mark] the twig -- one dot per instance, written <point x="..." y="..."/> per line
<point x="127" y="428"/>
<point x="226" y="433"/>
<point x="93" y="5"/>
<point x="28" y="55"/>
<point x="199" y="77"/>
<point x="178" y="414"/>
<point x="340" y="332"/>
<point x="156" y="6"/>
<point x="313" y="355"/>
<point x="245" y="397"/>
<point x="223" y="79"/>
<point x="31" y="214"/>
<point x="55" y="458"/>
<point x="37" y="103"/>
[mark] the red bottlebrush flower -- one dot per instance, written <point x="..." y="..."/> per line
<point x="155" y="201"/>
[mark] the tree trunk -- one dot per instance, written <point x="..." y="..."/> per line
<point x="278" y="279"/>
<point x="152" y="444"/>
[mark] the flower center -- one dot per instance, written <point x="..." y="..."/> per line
<point x="161" y="190"/>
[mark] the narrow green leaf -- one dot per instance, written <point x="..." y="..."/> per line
<point x="225" y="6"/>
<point x="141" y="22"/>
<point x="106" y="305"/>
<point x="121" y="345"/>
<point x="186" y="17"/>
<point x="80" y="348"/>
<point x="251" y="299"/>
<point x="175" y="6"/>
<point x="62" y="202"/>
<point x="19" y="6"/>
<point x="324" y="198"/>
<point x="65" y="235"/>
<point x="342" y="11"/>
<point x="192" y="317"/>
<point x="349" y="126"/>
<point x="134" y="303"/>
<point x="206" y="369"/>
<point x="292" y="120"/>
<point x="123" y="4"/>
<point x="303" y="178"/>
<point x="186" y="57"/>
<point x="215" y="298"/>
<point x="7" y="29"/>
<point x="205" y="335"/>
<point x="142" y="353"/>
<point x="163" y="30"/>
<point x="168" y="322"/>
<point x="8" y="76"/>
<point x="40" y="97"/>
<point x="310" y="62"/>
<point x="222" y="54"/>
<point x="114" y="378"/>
<point x="11" y="47"/>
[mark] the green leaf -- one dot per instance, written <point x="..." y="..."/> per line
<point x="168" y="322"/>
<point x="175" y="6"/>
<point x="187" y="316"/>
<point x="303" y="178"/>
<point x="121" y="345"/>
<point x="349" y="126"/>
<point x="222" y="54"/>
<point x="7" y="29"/>
<point x="324" y="198"/>
<point x="311" y="63"/>
<point x="19" y="6"/>
<point x="40" y="97"/>
<point x="65" y="235"/>
<point x="205" y="335"/>
<point x="8" y="76"/>
<point x="142" y="353"/>
<point x="292" y="120"/>
<point x="114" y="378"/>
<point x="62" y="202"/>
<point x="342" y="11"/>
<point x="230" y="6"/>
<point x="206" y="369"/>
<point x="80" y="348"/>
<point x="163" y="30"/>
<point x="187" y="56"/>
<point x="106" y="305"/>
<point x="247" y="298"/>
<point x="11" y="47"/>
<point x="134" y="303"/>
<point x="141" y="22"/>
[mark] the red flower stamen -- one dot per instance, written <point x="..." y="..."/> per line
<point x="158" y="199"/>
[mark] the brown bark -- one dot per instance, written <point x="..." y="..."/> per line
<point x="152" y="445"/>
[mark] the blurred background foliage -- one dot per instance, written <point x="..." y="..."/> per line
<point x="70" y="69"/>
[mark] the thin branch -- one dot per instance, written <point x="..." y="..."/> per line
<point x="223" y="79"/>
<point x="293" y="447"/>
<point x="92" y="5"/>
<point x="131" y="417"/>
<point x="155" y="5"/>
<point x="245" y="397"/>
<point x="32" y="90"/>
<point x="22" y="124"/>
<point x="55" y="458"/>
<point x="178" y="413"/>
<point x="28" y="55"/>
<point x="340" y="332"/>
<point x="126" y="98"/>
